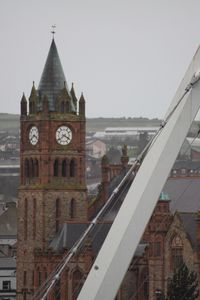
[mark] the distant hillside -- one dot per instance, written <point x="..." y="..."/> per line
<point x="96" y="124"/>
<point x="10" y="122"/>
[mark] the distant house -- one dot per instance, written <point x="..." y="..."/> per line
<point x="124" y="132"/>
<point x="190" y="149"/>
<point x="186" y="168"/>
<point x="8" y="220"/>
<point x="96" y="148"/>
<point x="7" y="278"/>
<point x="8" y="241"/>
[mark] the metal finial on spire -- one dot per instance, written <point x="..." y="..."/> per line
<point x="53" y="29"/>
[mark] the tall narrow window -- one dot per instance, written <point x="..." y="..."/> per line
<point x="33" y="278"/>
<point x="77" y="282"/>
<point x="24" y="295"/>
<point x="36" y="167"/>
<point x="34" y="218"/>
<point x="27" y="170"/>
<point x="25" y="218"/>
<point x="72" y="168"/>
<point x="64" y="168"/>
<point x="56" y="168"/>
<point x="157" y="248"/>
<point x="176" y="252"/>
<point x="72" y="208"/>
<point x="45" y="274"/>
<point x="57" y="214"/>
<point x="25" y="278"/>
<point x="158" y="245"/>
<point x="39" y="278"/>
<point x="31" y="164"/>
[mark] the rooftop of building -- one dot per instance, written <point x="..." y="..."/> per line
<point x="7" y="263"/>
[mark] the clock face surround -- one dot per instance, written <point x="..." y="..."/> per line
<point x="63" y="135"/>
<point x="33" y="135"/>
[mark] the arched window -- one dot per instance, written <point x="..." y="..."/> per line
<point x="157" y="245"/>
<point x="176" y="252"/>
<point x="36" y="168"/>
<point x="27" y="169"/>
<point x="77" y="282"/>
<point x="57" y="214"/>
<point x="72" y="208"/>
<point x="39" y="277"/>
<point x="33" y="278"/>
<point x="55" y="171"/>
<point x="32" y="171"/>
<point x="62" y="107"/>
<point x="25" y="218"/>
<point x="25" y="278"/>
<point x="64" y="168"/>
<point x="34" y="218"/>
<point x="72" y="168"/>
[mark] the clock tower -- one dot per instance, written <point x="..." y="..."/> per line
<point x="52" y="160"/>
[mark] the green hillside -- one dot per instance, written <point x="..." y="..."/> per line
<point x="10" y="123"/>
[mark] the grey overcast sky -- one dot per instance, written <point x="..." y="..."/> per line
<point x="127" y="56"/>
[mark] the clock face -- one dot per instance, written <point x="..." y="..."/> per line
<point x="63" y="135"/>
<point x="33" y="135"/>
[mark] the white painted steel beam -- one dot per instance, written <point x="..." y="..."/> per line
<point x="118" y="249"/>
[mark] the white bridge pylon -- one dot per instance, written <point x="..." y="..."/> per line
<point x="113" y="260"/>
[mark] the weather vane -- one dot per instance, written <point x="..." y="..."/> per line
<point x="53" y="29"/>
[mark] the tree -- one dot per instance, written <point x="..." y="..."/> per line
<point x="183" y="285"/>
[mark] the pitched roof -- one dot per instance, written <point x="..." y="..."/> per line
<point x="71" y="232"/>
<point x="7" y="263"/>
<point x="184" y="194"/>
<point x="53" y="78"/>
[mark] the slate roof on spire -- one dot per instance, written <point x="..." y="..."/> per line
<point x="53" y="77"/>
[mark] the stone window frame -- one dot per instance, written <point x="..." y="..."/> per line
<point x="176" y="249"/>
<point x="6" y="285"/>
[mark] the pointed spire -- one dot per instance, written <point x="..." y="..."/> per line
<point x="51" y="82"/>
<point x="82" y="105"/>
<point x="82" y="99"/>
<point x="65" y="92"/>
<point x="33" y="90"/>
<point x="23" y="106"/>
<point x="23" y="99"/>
<point x="72" y="92"/>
